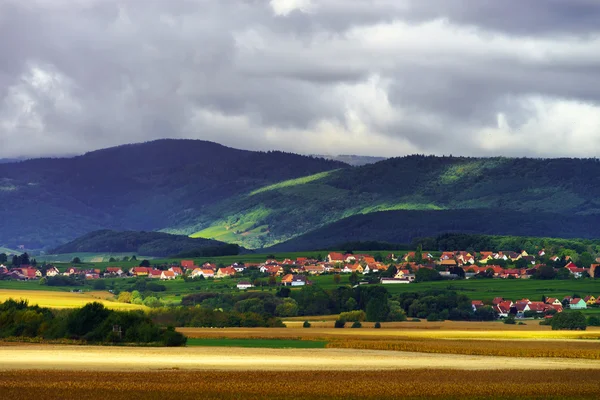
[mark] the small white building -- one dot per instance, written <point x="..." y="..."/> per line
<point x="394" y="281"/>
<point x="244" y="285"/>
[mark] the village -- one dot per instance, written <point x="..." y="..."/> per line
<point x="364" y="268"/>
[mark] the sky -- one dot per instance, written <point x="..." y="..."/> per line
<point x="367" y="77"/>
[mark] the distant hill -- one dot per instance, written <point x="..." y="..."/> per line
<point x="148" y="186"/>
<point x="353" y="160"/>
<point x="261" y="199"/>
<point x="146" y="243"/>
<point x="407" y="226"/>
<point x="558" y="188"/>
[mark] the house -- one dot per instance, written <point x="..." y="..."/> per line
<point x="204" y="272"/>
<point x="575" y="270"/>
<point x="167" y="275"/>
<point x="590" y="300"/>
<point x="243" y="285"/>
<point x="449" y="263"/>
<point x="3" y="270"/>
<point x="497" y="300"/>
<point x="286" y="280"/>
<point x="577" y="304"/>
<point x="314" y="269"/>
<point x="335" y="257"/>
<point x="154" y="273"/>
<point x="113" y="271"/>
<point x="271" y="270"/>
<point x="92" y="275"/>
<point x="553" y="301"/>
<point x="542" y="253"/>
<point x="503" y="308"/>
<point x="188" y="264"/>
<point x="225" y="272"/>
<point x="72" y="271"/>
<point x="239" y="267"/>
<point x="140" y="271"/>
<point x="30" y="273"/>
<point x="477" y="304"/>
<point x="350" y="268"/>
<point x="176" y="270"/>
<point x="52" y="271"/>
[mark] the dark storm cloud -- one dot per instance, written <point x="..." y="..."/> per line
<point x="378" y="77"/>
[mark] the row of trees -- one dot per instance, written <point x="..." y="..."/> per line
<point x="92" y="323"/>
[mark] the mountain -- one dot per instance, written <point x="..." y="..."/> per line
<point x="149" y="186"/>
<point x="353" y="160"/>
<point x="556" y="188"/>
<point x="407" y="226"/>
<point x="145" y="243"/>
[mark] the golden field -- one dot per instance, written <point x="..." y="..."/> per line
<point x="99" y="358"/>
<point x="183" y="385"/>
<point x="463" y="331"/>
<point x="50" y="299"/>
<point x="512" y="343"/>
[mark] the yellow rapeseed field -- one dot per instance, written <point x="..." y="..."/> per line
<point x="65" y="299"/>
<point x="182" y="385"/>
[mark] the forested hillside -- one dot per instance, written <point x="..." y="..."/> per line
<point x="146" y="243"/>
<point x="405" y="227"/>
<point x="149" y="186"/>
<point x="558" y="188"/>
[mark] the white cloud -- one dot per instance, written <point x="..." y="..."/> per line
<point x="285" y="7"/>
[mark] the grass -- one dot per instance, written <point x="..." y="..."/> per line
<point x="86" y="257"/>
<point x="488" y="289"/>
<point x="293" y="182"/>
<point x="406" y="384"/>
<point x="259" y="343"/>
<point x="57" y="299"/>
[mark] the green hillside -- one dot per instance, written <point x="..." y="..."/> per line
<point x="542" y="190"/>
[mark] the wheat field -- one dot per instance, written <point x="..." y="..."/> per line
<point x="183" y="385"/>
<point x="65" y="299"/>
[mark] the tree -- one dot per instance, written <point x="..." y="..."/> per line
<point x="112" y="259"/>
<point x="288" y="308"/>
<point x="510" y="320"/>
<point x="133" y="258"/>
<point x="545" y="272"/>
<point x="377" y="309"/>
<point x="569" y="320"/>
<point x="99" y="284"/>
<point x="124" y="297"/>
<point x="272" y="281"/>
<point x="16" y="261"/>
<point x="339" y="323"/>
<point x="350" y="304"/>
<point x="3" y="258"/>
<point x="354" y="279"/>
<point x="377" y="325"/>
<point x="145" y="263"/>
<point x="337" y="278"/>
<point x="426" y="275"/>
<point x="356" y="325"/>
<point x="306" y="324"/>
<point x="76" y="260"/>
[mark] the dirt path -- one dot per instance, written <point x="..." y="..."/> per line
<point x="90" y="358"/>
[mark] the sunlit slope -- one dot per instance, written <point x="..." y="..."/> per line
<point x="536" y="188"/>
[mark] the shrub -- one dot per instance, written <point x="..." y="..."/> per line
<point x="377" y="325"/>
<point x="432" y="317"/>
<point x="415" y="320"/>
<point x="521" y="323"/>
<point x="353" y="316"/>
<point x="306" y="324"/>
<point x="356" y="324"/>
<point x="510" y="320"/>
<point x="339" y="323"/>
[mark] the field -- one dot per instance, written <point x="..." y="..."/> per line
<point x="259" y="343"/>
<point x="56" y="299"/>
<point x="183" y="385"/>
<point x="461" y="338"/>
<point x="86" y="257"/>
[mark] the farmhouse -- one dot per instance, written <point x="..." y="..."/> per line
<point x="113" y="271"/>
<point x="52" y="271"/>
<point x="167" y="275"/>
<point x="176" y="270"/>
<point x="294" y="280"/>
<point x="154" y="273"/>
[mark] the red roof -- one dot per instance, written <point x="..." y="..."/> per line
<point x="336" y="257"/>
